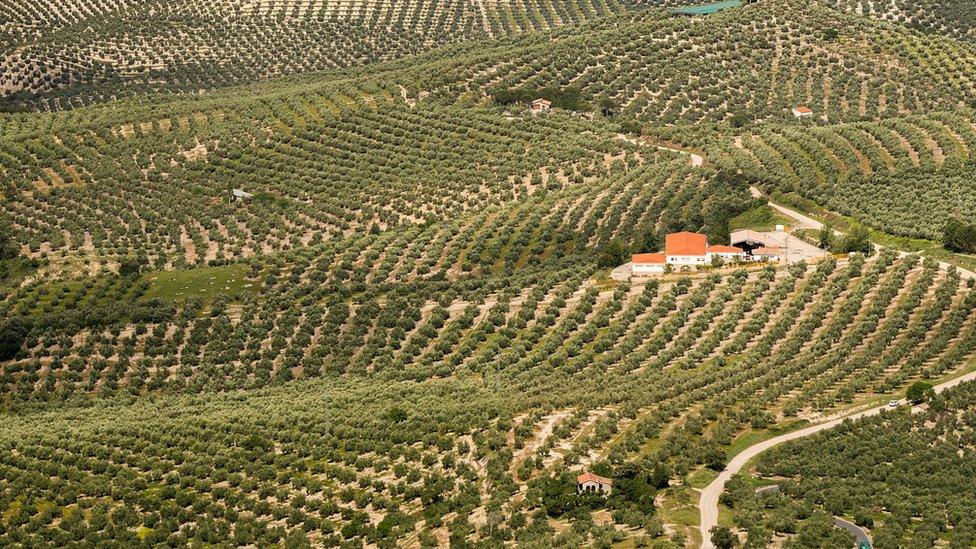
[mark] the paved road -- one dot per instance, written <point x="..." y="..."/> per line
<point x="802" y="221"/>
<point x="859" y="534"/>
<point x="708" y="502"/>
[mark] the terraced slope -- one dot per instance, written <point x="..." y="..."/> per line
<point x="404" y="336"/>
<point x="945" y="17"/>
<point x="903" y="175"/>
<point x="310" y="151"/>
<point x="96" y="193"/>
<point x="757" y="61"/>
<point x="908" y="481"/>
<point x="141" y="45"/>
<point x="692" y="363"/>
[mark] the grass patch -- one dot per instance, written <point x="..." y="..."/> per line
<point x="603" y="282"/>
<point x="701" y="477"/>
<point x="12" y="510"/>
<point x="754" y="436"/>
<point x="761" y="218"/>
<point x="13" y="271"/>
<point x="204" y="283"/>
<point x="969" y="367"/>
<point x="725" y="515"/>
<point x="679" y="508"/>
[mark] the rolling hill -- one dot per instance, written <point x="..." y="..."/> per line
<point x="312" y="274"/>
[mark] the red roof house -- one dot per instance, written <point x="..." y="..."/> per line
<point x="685" y="243"/>
<point x="645" y="264"/>
<point x="588" y="482"/>
<point x="801" y="111"/>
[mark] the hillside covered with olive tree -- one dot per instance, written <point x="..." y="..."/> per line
<point x="320" y="274"/>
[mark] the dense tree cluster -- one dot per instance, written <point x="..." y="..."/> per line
<point x="937" y="17"/>
<point x="959" y="236"/>
<point x="561" y="98"/>
<point x="907" y="477"/>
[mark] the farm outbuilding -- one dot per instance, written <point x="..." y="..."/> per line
<point x="541" y="105"/>
<point x="770" y="253"/>
<point x="241" y="195"/>
<point x="774" y="246"/>
<point x="802" y="112"/>
<point x="589" y="482"/>
<point x="726" y="253"/>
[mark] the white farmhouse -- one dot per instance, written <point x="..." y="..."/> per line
<point x="725" y="253"/>
<point x="683" y="251"/>
<point x="588" y="482"/>
<point x="686" y="249"/>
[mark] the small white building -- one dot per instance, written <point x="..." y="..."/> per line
<point x="726" y="253"/>
<point x="541" y="105"/>
<point x="767" y="253"/>
<point x="647" y="264"/>
<point x="240" y="195"/>
<point x="588" y="482"/>
<point x="802" y="112"/>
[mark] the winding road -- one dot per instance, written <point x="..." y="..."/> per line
<point x="708" y="502"/>
<point x="806" y="222"/>
<point x="860" y="536"/>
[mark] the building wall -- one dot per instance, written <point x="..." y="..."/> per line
<point x="687" y="259"/>
<point x="647" y="268"/>
<point x="591" y="486"/>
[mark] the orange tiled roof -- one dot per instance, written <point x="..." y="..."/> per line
<point x="723" y="250"/>
<point x="588" y="477"/>
<point x="803" y="110"/>
<point x="685" y="243"/>
<point x="649" y="258"/>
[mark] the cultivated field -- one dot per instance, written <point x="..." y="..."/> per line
<point x="311" y="273"/>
